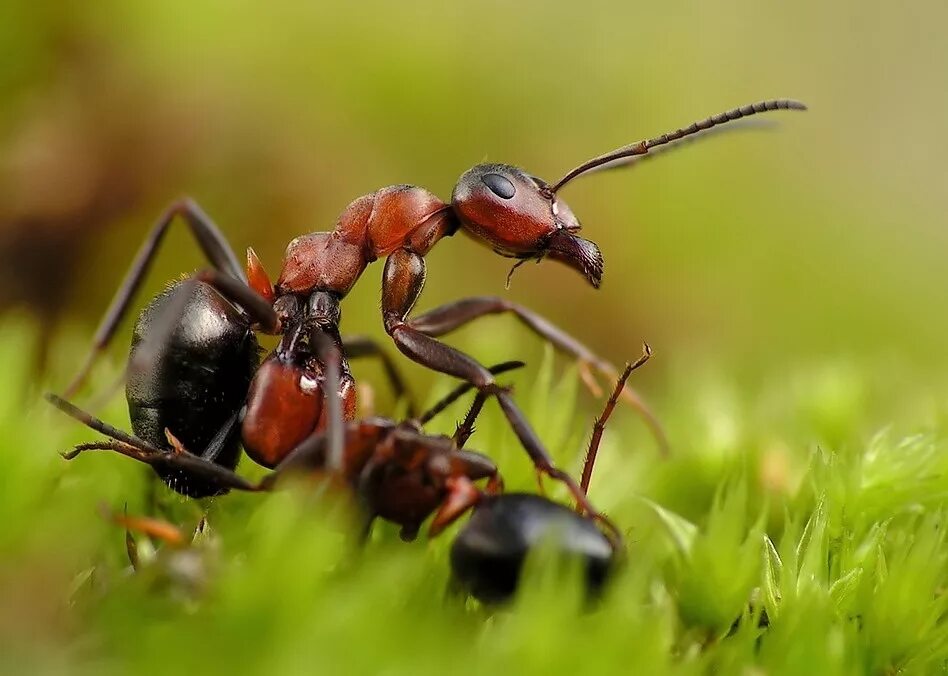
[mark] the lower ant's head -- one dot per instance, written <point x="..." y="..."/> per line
<point x="518" y="215"/>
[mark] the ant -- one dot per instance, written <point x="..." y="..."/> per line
<point x="210" y="472"/>
<point x="400" y="473"/>
<point x="195" y="343"/>
<point x="488" y="553"/>
<point x="396" y="471"/>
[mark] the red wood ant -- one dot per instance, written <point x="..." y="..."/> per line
<point x="397" y="472"/>
<point x="403" y="475"/>
<point x="187" y="337"/>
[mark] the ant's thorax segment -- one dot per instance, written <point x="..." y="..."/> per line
<point x="373" y="226"/>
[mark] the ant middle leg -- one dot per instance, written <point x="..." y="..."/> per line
<point x="212" y="243"/>
<point x="452" y="316"/>
<point x="465" y="428"/>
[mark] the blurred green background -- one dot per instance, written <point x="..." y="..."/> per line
<point x="788" y="274"/>
<point x="809" y="235"/>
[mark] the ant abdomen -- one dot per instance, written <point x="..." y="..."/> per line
<point x="488" y="555"/>
<point x="193" y="383"/>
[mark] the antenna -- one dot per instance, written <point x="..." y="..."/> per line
<point x="642" y="147"/>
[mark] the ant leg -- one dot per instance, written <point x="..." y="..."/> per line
<point x="101" y="427"/>
<point x="600" y="425"/>
<point x="357" y="347"/>
<point x="219" y="441"/>
<point x="331" y="356"/>
<point x="447" y="318"/>
<point x="402" y="282"/>
<point x="153" y="528"/>
<point x="144" y="452"/>
<point x="194" y="465"/>
<point x="466" y="428"/>
<point x="209" y="238"/>
<point x="544" y="463"/>
<point x="463" y="389"/>
<point x="258" y="309"/>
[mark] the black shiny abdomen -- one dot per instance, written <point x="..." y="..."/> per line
<point x="197" y="380"/>
<point x="488" y="554"/>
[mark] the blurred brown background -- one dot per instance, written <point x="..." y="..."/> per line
<point x="818" y="234"/>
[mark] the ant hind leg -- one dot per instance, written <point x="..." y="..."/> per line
<point x="452" y="316"/>
<point x="212" y="243"/>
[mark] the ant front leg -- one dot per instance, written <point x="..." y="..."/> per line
<point x="402" y="283"/>
<point x="403" y="280"/>
<point x="212" y="243"/>
<point x="452" y="316"/>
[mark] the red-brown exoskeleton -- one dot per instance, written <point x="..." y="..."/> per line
<point x="515" y="213"/>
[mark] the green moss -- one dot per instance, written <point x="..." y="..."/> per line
<point x="751" y="550"/>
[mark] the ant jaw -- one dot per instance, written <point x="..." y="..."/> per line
<point x="578" y="253"/>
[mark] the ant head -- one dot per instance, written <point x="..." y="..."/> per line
<point x="520" y="216"/>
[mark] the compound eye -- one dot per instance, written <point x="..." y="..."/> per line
<point x="499" y="185"/>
